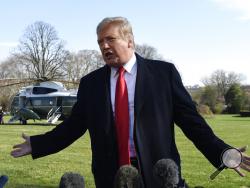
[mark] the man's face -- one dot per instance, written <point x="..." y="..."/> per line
<point x="116" y="51"/>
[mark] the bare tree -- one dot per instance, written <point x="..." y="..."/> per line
<point x="42" y="52"/>
<point x="82" y="63"/>
<point x="12" y="69"/>
<point x="148" y="52"/>
<point x="222" y="81"/>
<point x="13" y="76"/>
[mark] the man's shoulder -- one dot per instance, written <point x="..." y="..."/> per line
<point x="154" y="62"/>
<point x="158" y="66"/>
<point x="161" y="63"/>
<point x="98" y="73"/>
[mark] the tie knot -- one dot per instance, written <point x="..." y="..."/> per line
<point x="121" y="71"/>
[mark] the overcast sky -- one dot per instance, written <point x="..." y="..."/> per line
<point x="198" y="36"/>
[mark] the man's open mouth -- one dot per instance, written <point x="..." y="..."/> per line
<point x="109" y="55"/>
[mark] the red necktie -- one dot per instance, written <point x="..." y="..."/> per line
<point x="122" y="118"/>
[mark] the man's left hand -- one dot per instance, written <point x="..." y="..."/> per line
<point x="245" y="164"/>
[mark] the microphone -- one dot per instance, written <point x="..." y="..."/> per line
<point x="3" y="180"/>
<point x="70" y="180"/>
<point x="167" y="173"/>
<point x="128" y="177"/>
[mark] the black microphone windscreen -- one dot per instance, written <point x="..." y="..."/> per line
<point x="167" y="173"/>
<point x="128" y="177"/>
<point x="3" y="180"/>
<point x="71" y="180"/>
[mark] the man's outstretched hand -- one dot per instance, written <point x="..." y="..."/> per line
<point x="22" y="149"/>
<point x="245" y="165"/>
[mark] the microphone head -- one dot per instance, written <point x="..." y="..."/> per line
<point x="167" y="173"/>
<point x="71" y="180"/>
<point x="127" y="177"/>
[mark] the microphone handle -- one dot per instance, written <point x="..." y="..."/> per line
<point x="216" y="173"/>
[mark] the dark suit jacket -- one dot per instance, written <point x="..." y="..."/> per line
<point x="160" y="101"/>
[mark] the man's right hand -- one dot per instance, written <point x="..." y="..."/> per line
<point x="23" y="149"/>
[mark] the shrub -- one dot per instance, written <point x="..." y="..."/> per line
<point x="204" y="110"/>
<point x="219" y="108"/>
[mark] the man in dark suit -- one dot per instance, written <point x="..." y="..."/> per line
<point x="155" y="99"/>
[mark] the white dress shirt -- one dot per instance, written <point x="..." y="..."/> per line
<point x="130" y="78"/>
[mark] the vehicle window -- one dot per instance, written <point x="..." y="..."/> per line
<point x="43" y="90"/>
<point x="43" y="101"/>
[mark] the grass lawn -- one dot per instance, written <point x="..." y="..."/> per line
<point x="46" y="172"/>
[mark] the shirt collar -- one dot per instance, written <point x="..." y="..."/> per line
<point x="128" y="66"/>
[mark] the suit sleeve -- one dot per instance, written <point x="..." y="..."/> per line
<point x="192" y="123"/>
<point x="65" y="133"/>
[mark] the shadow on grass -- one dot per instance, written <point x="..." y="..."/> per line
<point x="38" y="124"/>
<point x="33" y="185"/>
<point x="239" y="116"/>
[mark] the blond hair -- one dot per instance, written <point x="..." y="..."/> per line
<point x="125" y="27"/>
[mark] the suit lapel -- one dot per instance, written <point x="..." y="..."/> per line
<point x="107" y="100"/>
<point x="142" y="79"/>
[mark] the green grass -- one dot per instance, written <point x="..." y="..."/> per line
<point x="46" y="172"/>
